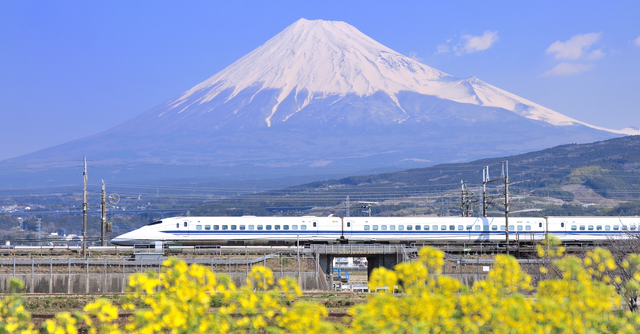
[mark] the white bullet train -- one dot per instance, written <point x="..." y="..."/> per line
<point x="251" y="230"/>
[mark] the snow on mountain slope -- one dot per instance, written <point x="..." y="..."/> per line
<point x="321" y="58"/>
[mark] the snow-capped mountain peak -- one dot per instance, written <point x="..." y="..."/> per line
<point x="315" y="58"/>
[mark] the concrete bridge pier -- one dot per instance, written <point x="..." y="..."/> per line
<point x="381" y="260"/>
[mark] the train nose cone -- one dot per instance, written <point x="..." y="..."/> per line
<point x="126" y="239"/>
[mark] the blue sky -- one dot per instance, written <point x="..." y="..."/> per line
<point x="69" y="69"/>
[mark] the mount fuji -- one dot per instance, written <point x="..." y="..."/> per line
<point x="321" y="96"/>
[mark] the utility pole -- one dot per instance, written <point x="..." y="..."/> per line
<point x="348" y="207"/>
<point x="103" y="216"/>
<point x="84" y="210"/>
<point x="39" y="227"/>
<point x="485" y="178"/>
<point x="505" y="175"/>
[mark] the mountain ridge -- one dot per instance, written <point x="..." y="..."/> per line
<point x="357" y="105"/>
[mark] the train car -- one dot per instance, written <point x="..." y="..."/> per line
<point x="592" y="229"/>
<point x="435" y="229"/>
<point x="246" y="230"/>
<point x="251" y="230"/>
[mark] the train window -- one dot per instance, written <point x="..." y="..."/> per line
<point x="502" y="227"/>
<point x="417" y="227"/>
<point x="207" y="227"/>
<point x="348" y="224"/>
<point x="426" y="227"/>
<point x="599" y="227"/>
<point x="243" y="227"/>
<point x="225" y="227"/>
<point x="443" y="227"/>
<point x="494" y="227"/>
<point x="216" y="227"/>
<point x="234" y="227"/>
<point x="624" y="227"/>
<point x="198" y="227"/>
<point x="285" y="227"/>
<point x="251" y="227"/>
<point x="460" y="227"/>
<point x="303" y="227"/>
<point x="469" y="227"/>
<point x="392" y="227"/>
<point x="294" y="227"/>
<point x="435" y="227"/>
<point x="615" y="227"/>
<point x="367" y="227"/>
<point x="268" y="227"/>
<point x="573" y="227"/>
<point x="581" y="227"/>
<point x="562" y="224"/>
<point x="452" y="227"/>
<point x="383" y="227"/>
<point x="277" y="227"/>
<point x="177" y="225"/>
<point x="185" y="224"/>
<point x="260" y="227"/>
<point x="633" y="227"/>
<point x="528" y="228"/>
<point x="375" y="227"/>
<point x="540" y="224"/>
<point x="519" y="227"/>
<point x="409" y="227"/>
<point x="607" y="227"/>
<point x="314" y="224"/>
<point x="590" y="227"/>
<point x="485" y="227"/>
<point x="400" y="227"/>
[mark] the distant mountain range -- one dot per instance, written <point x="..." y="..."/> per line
<point x="318" y="98"/>
<point x="601" y="178"/>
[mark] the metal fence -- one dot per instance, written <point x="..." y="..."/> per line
<point x="73" y="275"/>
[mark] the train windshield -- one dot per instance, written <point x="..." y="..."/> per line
<point x="155" y="223"/>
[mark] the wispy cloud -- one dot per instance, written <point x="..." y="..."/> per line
<point x="637" y="41"/>
<point x="414" y="55"/>
<point x="565" y="69"/>
<point x="469" y="44"/>
<point x="443" y="49"/>
<point x="479" y="43"/>
<point x="577" y="53"/>
<point x="578" y="46"/>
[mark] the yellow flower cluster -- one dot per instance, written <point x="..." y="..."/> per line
<point x="580" y="300"/>
<point x="413" y="298"/>
<point x="13" y="317"/>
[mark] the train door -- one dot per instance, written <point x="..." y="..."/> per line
<point x="186" y="226"/>
<point x="347" y="228"/>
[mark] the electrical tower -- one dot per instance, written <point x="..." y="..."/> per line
<point x="103" y="215"/>
<point x="486" y="179"/>
<point x="467" y="200"/>
<point x="85" y="206"/>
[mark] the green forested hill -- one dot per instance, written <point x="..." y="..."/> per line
<point x="598" y="178"/>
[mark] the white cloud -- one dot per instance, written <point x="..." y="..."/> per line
<point x="576" y="47"/>
<point x="596" y="54"/>
<point x="637" y="41"/>
<point x="565" y="69"/>
<point x="473" y="44"/>
<point x="414" y="55"/>
<point x="443" y="49"/>
<point x="469" y="44"/>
